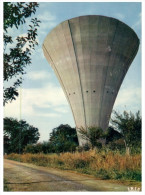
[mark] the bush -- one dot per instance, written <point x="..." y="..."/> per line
<point x="103" y="174"/>
<point x="44" y="147"/>
<point x="80" y="164"/>
<point x="6" y="187"/>
<point x="59" y="162"/>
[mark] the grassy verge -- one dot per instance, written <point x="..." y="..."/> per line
<point x="104" y="165"/>
<point x="6" y="187"/>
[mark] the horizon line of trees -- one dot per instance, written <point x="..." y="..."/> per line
<point x="124" y="134"/>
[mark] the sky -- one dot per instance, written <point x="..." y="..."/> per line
<point x="42" y="102"/>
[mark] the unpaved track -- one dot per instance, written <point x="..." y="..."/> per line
<point x="28" y="177"/>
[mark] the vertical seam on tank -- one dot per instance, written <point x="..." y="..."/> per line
<point x="60" y="80"/>
<point x="90" y="84"/>
<point x="106" y="70"/>
<point x="118" y="62"/>
<point x="65" y="89"/>
<point x="78" y="73"/>
<point x="106" y="73"/>
<point x="63" y="85"/>
<point x="67" y="45"/>
<point x="99" y="110"/>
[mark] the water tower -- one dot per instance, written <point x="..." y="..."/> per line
<point x="90" y="56"/>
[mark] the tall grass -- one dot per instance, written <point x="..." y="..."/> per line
<point x="102" y="164"/>
<point x="6" y="187"/>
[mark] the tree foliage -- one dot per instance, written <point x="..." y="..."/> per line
<point x="114" y="140"/>
<point x="112" y="135"/>
<point x="63" y="138"/>
<point x="44" y="147"/>
<point x="17" y="57"/>
<point x="93" y="136"/>
<point x="17" y="134"/>
<point x="124" y="127"/>
<point x="129" y="125"/>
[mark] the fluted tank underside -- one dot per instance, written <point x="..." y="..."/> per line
<point x="90" y="56"/>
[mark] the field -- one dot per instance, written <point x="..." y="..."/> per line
<point x="101" y="164"/>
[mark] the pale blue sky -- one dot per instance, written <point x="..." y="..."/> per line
<point x="42" y="102"/>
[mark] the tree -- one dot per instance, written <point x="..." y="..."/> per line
<point x="6" y="142"/>
<point x="129" y="125"/>
<point x="114" y="139"/>
<point x="17" y="57"/>
<point x="112" y="135"/>
<point x="94" y="136"/>
<point x="44" y="147"/>
<point x="63" y="139"/>
<point x="18" y="135"/>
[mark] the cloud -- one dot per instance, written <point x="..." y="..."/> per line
<point x="128" y="98"/>
<point x="49" y="97"/>
<point x="137" y="24"/>
<point x="50" y="101"/>
<point x="119" y="16"/>
<point x="61" y="109"/>
<point x="47" y="25"/>
<point x="48" y="20"/>
<point x="39" y="52"/>
<point x="46" y="16"/>
<point x="13" y="31"/>
<point x="38" y="75"/>
<point x="48" y="114"/>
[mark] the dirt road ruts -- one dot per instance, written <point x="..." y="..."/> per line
<point x="28" y="177"/>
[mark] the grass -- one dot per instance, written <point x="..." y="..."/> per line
<point x="6" y="188"/>
<point x="102" y="164"/>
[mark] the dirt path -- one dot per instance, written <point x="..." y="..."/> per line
<point x="28" y="177"/>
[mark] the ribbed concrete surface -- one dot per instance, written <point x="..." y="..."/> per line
<point x="90" y="56"/>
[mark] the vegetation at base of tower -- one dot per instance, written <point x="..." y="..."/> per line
<point x="129" y="125"/>
<point x="93" y="136"/>
<point x="125" y="131"/>
<point x="18" y="134"/>
<point x="18" y="50"/>
<point x="62" y="139"/>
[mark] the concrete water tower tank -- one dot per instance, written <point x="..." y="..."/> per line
<point x="90" y="56"/>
